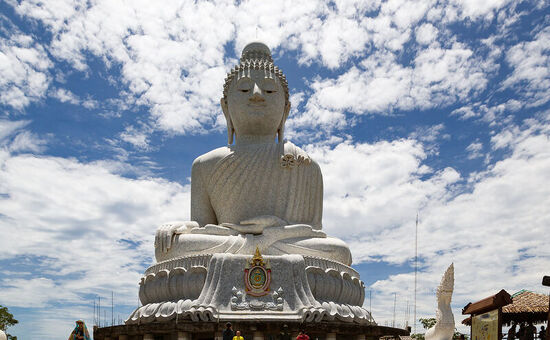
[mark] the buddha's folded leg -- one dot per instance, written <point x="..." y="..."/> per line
<point x="329" y="248"/>
<point x="198" y="244"/>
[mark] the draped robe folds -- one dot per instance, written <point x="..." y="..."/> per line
<point x="251" y="181"/>
<point x="239" y="183"/>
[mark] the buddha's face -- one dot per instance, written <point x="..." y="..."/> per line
<point x="255" y="104"/>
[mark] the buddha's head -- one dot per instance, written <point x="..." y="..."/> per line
<point x="255" y="96"/>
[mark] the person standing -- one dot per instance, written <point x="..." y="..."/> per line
<point x="512" y="332"/>
<point x="542" y="333"/>
<point x="238" y="336"/>
<point x="80" y="332"/>
<point x="530" y="331"/>
<point x="521" y="331"/>
<point x="302" y="336"/>
<point x="284" y="333"/>
<point x="228" y="333"/>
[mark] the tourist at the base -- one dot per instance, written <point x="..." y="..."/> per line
<point x="512" y="332"/>
<point x="542" y="333"/>
<point x="238" y="336"/>
<point x="80" y="332"/>
<point x="228" y="333"/>
<point x="530" y="332"/>
<point x="521" y="331"/>
<point x="284" y="333"/>
<point x="302" y="336"/>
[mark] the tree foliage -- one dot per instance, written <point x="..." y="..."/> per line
<point x="427" y="323"/>
<point x="7" y="320"/>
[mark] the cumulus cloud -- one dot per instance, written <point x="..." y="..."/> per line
<point x="492" y="224"/>
<point x="531" y="69"/>
<point x="8" y="128"/>
<point x="426" y="34"/>
<point x="493" y="114"/>
<point x="24" y="65"/>
<point x="74" y="225"/>
<point x="380" y="85"/>
<point x="361" y="204"/>
<point x="474" y="150"/>
<point x="174" y="66"/>
<point x="66" y="96"/>
<point x="27" y="141"/>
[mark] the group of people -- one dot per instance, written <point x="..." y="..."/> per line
<point x="229" y="334"/>
<point x="526" y="331"/>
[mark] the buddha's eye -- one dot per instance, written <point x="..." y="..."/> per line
<point x="244" y="90"/>
<point x="270" y="91"/>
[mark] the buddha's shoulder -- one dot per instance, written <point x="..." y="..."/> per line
<point x="212" y="157"/>
<point x="297" y="152"/>
<point x="291" y="148"/>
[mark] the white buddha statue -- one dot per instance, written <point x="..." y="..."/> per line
<point x="256" y="192"/>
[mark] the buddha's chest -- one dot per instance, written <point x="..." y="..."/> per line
<point x="254" y="184"/>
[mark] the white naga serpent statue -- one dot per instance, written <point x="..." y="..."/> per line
<point x="444" y="327"/>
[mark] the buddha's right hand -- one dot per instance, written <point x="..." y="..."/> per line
<point x="167" y="231"/>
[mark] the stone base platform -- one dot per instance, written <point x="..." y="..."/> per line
<point x="251" y="330"/>
<point x="211" y="288"/>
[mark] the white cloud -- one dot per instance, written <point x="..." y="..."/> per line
<point x="473" y="9"/>
<point x="70" y="228"/>
<point x="474" y="150"/>
<point x="14" y="138"/>
<point x="531" y="69"/>
<point x="66" y="96"/>
<point x="33" y="293"/>
<point x="493" y="114"/>
<point x="138" y="138"/>
<point x="493" y="225"/>
<point x="439" y="77"/>
<point x="175" y="67"/>
<point x="27" y="141"/>
<point x="8" y="128"/>
<point x="430" y="134"/>
<point x="365" y="184"/>
<point x="426" y="34"/>
<point x="24" y="65"/>
<point x="81" y="225"/>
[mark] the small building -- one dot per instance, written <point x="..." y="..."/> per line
<point x="526" y="306"/>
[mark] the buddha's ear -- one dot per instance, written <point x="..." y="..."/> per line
<point x="281" y="129"/>
<point x="230" y="129"/>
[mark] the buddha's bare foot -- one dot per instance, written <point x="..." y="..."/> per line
<point x="166" y="232"/>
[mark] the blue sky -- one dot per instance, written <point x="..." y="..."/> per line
<point x="440" y="107"/>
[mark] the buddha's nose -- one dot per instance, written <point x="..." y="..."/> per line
<point x="257" y="95"/>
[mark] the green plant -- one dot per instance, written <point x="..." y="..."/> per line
<point x="427" y="323"/>
<point x="7" y="320"/>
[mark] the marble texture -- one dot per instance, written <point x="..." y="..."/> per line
<point x="445" y="323"/>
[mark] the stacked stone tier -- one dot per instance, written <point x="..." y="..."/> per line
<point x="184" y="278"/>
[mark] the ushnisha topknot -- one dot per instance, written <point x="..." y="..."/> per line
<point x="256" y="56"/>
